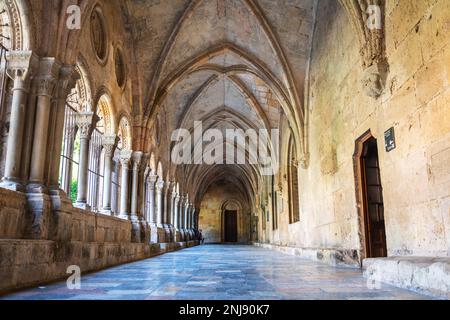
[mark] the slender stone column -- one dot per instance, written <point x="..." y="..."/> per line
<point x="186" y="214"/>
<point x="20" y="68"/>
<point x="181" y="213"/>
<point x="137" y="159"/>
<point x="86" y="122"/>
<point x="67" y="81"/>
<point x="193" y="218"/>
<point x="142" y="195"/>
<point x="151" y="198"/>
<point x="171" y="195"/>
<point x="159" y="202"/>
<point x="125" y="157"/>
<point x="49" y="70"/>
<point x="167" y="203"/>
<point x="109" y="145"/>
<point x="176" y="201"/>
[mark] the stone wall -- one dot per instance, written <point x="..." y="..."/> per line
<point x="416" y="102"/>
<point x="73" y="237"/>
<point x="215" y="201"/>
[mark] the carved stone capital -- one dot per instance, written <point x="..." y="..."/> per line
<point x="46" y="80"/>
<point x="304" y="161"/>
<point x="125" y="157"/>
<point x="21" y="65"/>
<point x="137" y="160"/>
<point x="159" y="186"/>
<point x="152" y="178"/>
<point x="86" y="122"/>
<point x="68" y="77"/>
<point x="374" y="80"/>
<point x="109" y="143"/>
<point x="367" y="17"/>
<point x="45" y="86"/>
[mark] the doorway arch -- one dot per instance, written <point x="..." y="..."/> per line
<point x="228" y="209"/>
<point x="369" y="198"/>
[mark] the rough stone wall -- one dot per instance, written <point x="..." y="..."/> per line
<point x="416" y="102"/>
<point x="210" y="220"/>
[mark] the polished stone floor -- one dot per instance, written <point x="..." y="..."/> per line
<point x="215" y="272"/>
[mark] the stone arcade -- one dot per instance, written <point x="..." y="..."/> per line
<point x="87" y="113"/>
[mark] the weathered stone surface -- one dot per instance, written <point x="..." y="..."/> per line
<point x="426" y="275"/>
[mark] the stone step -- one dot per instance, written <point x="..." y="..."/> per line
<point x="426" y="275"/>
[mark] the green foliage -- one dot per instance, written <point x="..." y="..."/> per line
<point x="73" y="190"/>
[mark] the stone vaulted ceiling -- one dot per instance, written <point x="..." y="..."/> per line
<point x="228" y="63"/>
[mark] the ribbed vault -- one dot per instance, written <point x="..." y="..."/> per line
<point x="229" y="65"/>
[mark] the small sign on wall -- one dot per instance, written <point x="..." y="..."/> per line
<point x="389" y="138"/>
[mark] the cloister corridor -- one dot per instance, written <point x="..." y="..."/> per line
<point x="221" y="272"/>
<point x="141" y="139"/>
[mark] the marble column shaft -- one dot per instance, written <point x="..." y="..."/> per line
<point x="151" y="181"/>
<point x="109" y="145"/>
<point x="67" y="81"/>
<point x="159" y="202"/>
<point x="49" y="70"/>
<point x="20" y="69"/>
<point x="86" y="123"/>
<point x="137" y="160"/>
<point x="125" y="157"/>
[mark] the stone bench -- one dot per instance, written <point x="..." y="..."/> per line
<point x="426" y="275"/>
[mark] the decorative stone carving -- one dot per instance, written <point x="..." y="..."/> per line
<point x="15" y="21"/>
<point x="86" y="123"/>
<point x="21" y="64"/>
<point x="49" y="70"/>
<point x="68" y="77"/>
<point x="371" y="39"/>
<point x="109" y="143"/>
<point x="125" y="157"/>
<point x="374" y="80"/>
<point x="159" y="185"/>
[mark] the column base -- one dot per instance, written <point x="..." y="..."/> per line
<point x="40" y="208"/>
<point x="60" y="200"/>
<point x="158" y="234"/>
<point x="136" y="232"/>
<point x="37" y="188"/>
<point x="12" y="185"/>
<point x="82" y="206"/>
<point x="179" y="236"/>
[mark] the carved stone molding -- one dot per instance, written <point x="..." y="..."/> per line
<point x="47" y="77"/>
<point x="16" y="25"/>
<point x="21" y="65"/>
<point x="109" y="143"/>
<point x="152" y="178"/>
<point x="68" y="77"/>
<point x="86" y="122"/>
<point x="125" y="157"/>
<point x="159" y="186"/>
<point x="371" y="38"/>
<point x="137" y="160"/>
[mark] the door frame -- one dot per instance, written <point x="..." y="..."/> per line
<point x="225" y="229"/>
<point x="360" y="190"/>
<point x="231" y="205"/>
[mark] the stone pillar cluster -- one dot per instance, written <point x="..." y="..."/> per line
<point x="156" y="210"/>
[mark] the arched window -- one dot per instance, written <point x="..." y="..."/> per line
<point x="292" y="165"/>
<point x="98" y="34"/>
<point x="76" y="102"/>
<point x="97" y="155"/>
<point x="5" y="46"/>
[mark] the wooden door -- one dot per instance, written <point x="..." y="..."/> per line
<point x="231" y="232"/>
<point x="375" y="227"/>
